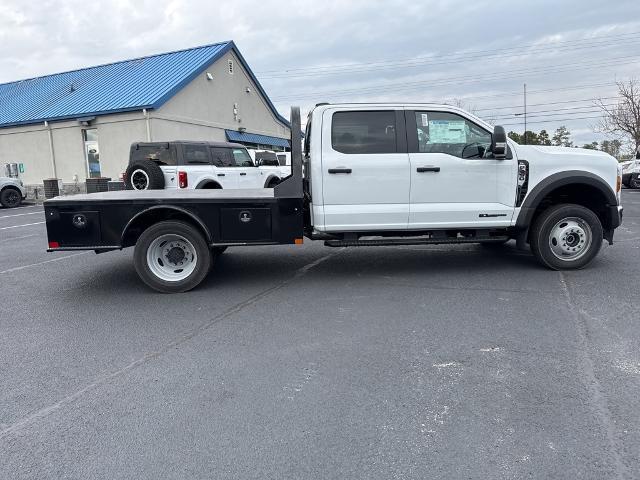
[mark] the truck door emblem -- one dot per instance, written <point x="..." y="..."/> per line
<point x="245" y="216"/>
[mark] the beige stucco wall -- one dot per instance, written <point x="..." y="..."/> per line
<point x="30" y="145"/>
<point x="211" y="102"/>
<point x="202" y="110"/>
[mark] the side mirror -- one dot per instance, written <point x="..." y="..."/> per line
<point x="499" y="143"/>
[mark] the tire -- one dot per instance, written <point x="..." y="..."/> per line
<point x="566" y="237"/>
<point x="273" y="182"/>
<point x="634" y="183"/>
<point x="144" y="175"/>
<point x="10" y="197"/>
<point x="172" y="242"/>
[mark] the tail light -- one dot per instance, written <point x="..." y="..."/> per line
<point x="183" y="182"/>
<point x="54" y="245"/>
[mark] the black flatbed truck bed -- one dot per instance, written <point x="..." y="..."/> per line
<point x="115" y="220"/>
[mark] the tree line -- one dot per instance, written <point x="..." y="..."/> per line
<point x="562" y="138"/>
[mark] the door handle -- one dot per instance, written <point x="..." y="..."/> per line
<point x="243" y="173"/>
<point x="221" y="174"/>
<point x="428" y="169"/>
<point x="339" y="170"/>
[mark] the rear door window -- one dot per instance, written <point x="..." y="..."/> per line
<point x="222" y="157"/>
<point x="196" y="155"/>
<point x="364" y="132"/>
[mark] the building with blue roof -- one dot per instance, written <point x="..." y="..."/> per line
<point x="80" y="124"/>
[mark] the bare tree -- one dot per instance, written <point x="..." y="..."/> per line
<point x="623" y="119"/>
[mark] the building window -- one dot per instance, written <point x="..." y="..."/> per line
<point x="230" y="67"/>
<point x="92" y="152"/>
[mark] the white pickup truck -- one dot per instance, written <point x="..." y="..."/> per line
<point x="370" y="174"/>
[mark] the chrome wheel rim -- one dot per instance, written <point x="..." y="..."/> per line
<point x="171" y="258"/>
<point x="570" y="239"/>
<point x="139" y="180"/>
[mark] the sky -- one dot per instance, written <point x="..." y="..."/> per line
<point x="475" y="54"/>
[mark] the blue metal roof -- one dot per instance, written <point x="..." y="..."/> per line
<point x="146" y="82"/>
<point x="235" y="136"/>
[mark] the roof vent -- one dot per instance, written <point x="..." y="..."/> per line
<point x="72" y="88"/>
<point x="230" y="64"/>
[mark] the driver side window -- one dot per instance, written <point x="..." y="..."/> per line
<point x="443" y="132"/>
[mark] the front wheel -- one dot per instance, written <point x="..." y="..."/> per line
<point x="172" y="257"/>
<point x="10" y="197"/>
<point x="634" y="183"/>
<point x="566" y="237"/>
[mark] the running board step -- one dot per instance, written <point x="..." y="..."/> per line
<point x="413" y="241"/>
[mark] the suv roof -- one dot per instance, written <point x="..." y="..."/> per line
<point x="188" y="142"/>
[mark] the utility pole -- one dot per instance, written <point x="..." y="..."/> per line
<point x="525" y="113"/>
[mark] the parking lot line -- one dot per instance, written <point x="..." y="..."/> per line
<point x="18" y="238"/>
<point x="24" y="225"/>
<point x="15" y="269"/>
<point x="20" y="214"/>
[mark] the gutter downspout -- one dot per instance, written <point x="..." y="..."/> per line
<point x="147" y="123"/>
<point x="51" y="150"/>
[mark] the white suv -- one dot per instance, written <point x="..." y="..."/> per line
<point x="197" y="165"/>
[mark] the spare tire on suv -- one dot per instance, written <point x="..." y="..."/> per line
<point x="144" y="174"/>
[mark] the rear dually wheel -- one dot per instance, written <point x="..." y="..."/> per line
<point x="172" y="257"/>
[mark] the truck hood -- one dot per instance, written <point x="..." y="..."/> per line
<point x="545" y="161"/>
<point x="568" y="152"/>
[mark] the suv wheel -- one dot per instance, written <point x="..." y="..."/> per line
<point x="634" y="183"/>
<point x="566" y="237"/>
<point x="172" y="257"/>
<point x="10" y="197"/>
<point x="144" y="175"/>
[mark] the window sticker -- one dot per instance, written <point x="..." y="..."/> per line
<point x="425" y="120"/>
<point x="447" y="131"/>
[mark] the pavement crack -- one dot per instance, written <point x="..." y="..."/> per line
<point x="598" y="398"/>
<point x="149" y="356"/>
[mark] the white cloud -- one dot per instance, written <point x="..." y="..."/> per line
<point x="51" y="36"/>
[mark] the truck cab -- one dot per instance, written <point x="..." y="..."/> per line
<point x="424" y="167"/>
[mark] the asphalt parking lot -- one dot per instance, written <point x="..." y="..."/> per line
<point x="311" y="362"/>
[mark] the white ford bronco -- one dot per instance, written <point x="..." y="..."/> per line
<point x="198" y="165"/>
<point x="370" y="174"/>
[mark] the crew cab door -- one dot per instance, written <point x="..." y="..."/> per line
<point x="249" y="176"/>
<point x="365" y="170"/>
<point x="454" y="183"/>
<point x="224" y="167"/>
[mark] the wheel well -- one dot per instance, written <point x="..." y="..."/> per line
<point x="580" y="194"/>
<point x="272" y="182"/>
<point x="155" y="215"/>
<point x="12" y="187"/>
<point x="210" y="185"/>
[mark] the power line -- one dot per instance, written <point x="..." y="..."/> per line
<point x="593" y="41"/>
<point x="546" y="104"/>
<point x="448" y="81"/>
<point x="553" y="120"/>
<point x="563" y="89"/>
<point x="457" y="60"/>
<point x="548" y="115"/>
